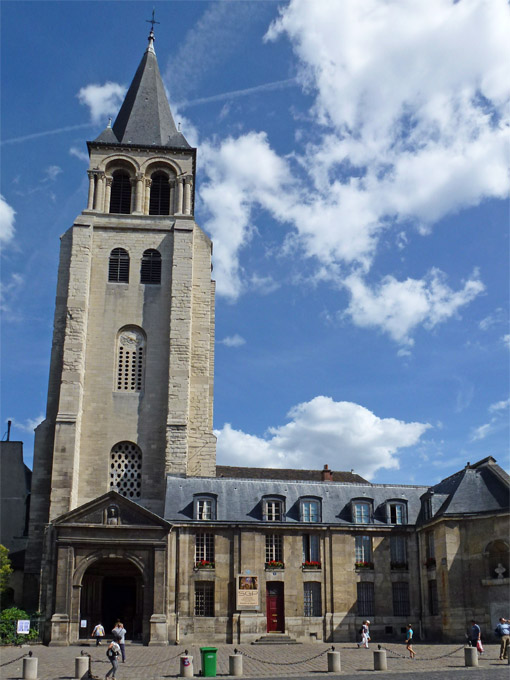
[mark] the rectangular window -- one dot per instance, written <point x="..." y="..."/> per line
<point x="433" y="603"/>
<point x="274" y="548"/>
<point x="430" y="547"/>
<point x="310" y="511"/>
<point x="204" y="598"/>
<point x="361" y="513"/>
<point x="312" y="599"/>
<point x="274" y="511"/>
<point x="398" y="551"/>
<point x="204" y="548"/>
<point x="311" y="548"/>
<point x="397" y="513"/>
<point x="365" y="605"/>
<point x="401" y="599"/>
<point x="204" y="509"/>
<point x="363" y="549"/>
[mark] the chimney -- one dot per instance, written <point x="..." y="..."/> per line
<point x="326" y="474"/>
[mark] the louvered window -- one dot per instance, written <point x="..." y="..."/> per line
<point x="130" y="360"/>
<point x="160" y="195"/>
<point x="151" y="267"/>
<point x="126" y="469"/>
<point x="120" y="197"/>
<point x="118" y="266"/>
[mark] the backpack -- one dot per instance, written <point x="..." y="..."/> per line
<point x="498" y="632"/>
<point x="111" y="653"/>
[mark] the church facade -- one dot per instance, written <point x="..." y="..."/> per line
<point x="131" y="517"/>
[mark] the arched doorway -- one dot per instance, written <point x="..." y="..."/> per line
<point x="112" y="589"/>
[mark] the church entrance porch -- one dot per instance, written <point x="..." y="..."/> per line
<point x="112" y="590"/>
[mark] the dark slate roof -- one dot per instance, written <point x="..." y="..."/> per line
<point x="233" y="472"/>
<point x="145" y="117"/>
<point x="240" y="500"/>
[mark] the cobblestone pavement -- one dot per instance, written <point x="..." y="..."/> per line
<point x="433" y="662"/>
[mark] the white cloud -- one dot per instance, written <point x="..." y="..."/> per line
<point x="506" y="340"/>
<point x="29" y="424"/>
<point x="235" y="340"/>
<point x="494" y="319"/>
<point x="482" y="432"/>
<point x="78" y="153"/>
<point x="496" y="423"/>
<point x="51" y="173"/>
<point x="342" y="434"/>
<point x="398" y="307"/>
<point x="102" y="100"/>
<point x="8" y="294"/>
<point x="7" y="219"/>
<point x="500" y="405"/>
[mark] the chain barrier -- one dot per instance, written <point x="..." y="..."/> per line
<point x="14" y="660"/>
<point x="146" y="665"/>
<point x="284" y="663"/>
<point x="421" y="658"/>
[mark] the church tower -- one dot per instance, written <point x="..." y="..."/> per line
<point x="130" y="395"/>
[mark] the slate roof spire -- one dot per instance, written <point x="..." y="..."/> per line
<point x="145" y="118"/>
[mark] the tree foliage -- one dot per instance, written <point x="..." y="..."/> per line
<point x="5" y="568"/>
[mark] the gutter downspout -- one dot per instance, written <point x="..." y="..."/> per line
<point x="420" y="586"/>
<point x="177" y="560"/>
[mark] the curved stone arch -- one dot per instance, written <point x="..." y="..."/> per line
<point x="497" y="552"/>
<point x="107" y="554"/>
<point x="161" y="163"/>
<point x="120" y="162"/>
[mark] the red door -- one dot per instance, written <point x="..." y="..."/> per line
<point x="274" y="607"/>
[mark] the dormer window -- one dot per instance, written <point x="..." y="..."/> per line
<point x="310" y="510"/>
<point x="205" y="508"/>
<point x="273" y="510"/>
<point x="396" y="512"/>
<point x="361" y="512"/>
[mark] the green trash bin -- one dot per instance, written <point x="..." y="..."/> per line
<point x="208" y="657"/>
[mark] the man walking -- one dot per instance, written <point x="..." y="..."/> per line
<point x="503" y="632"/>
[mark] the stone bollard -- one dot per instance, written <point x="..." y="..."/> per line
<point x="380" y="663"/>
<point x="81" y="667"/>
<point x="186" y="666"/>
<point x="334" y="664"/>
<point x="235" y="664"/>
<point x="470" y="656"/>
<point x="30" y="668"/>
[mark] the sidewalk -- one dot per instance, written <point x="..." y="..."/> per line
<point x="271" y="661"/>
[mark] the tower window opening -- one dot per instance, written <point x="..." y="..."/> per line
<point x="150" y="271"/>
<point x="118" y="266"/>
<point x="160" y="195"/>
<point x="125" y="469"/>
<point x="130" y="360"/>
<point x="120" y="197"/>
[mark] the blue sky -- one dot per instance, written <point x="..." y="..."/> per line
<point x="353" y="174"/>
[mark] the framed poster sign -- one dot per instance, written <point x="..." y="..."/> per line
<point x="247" y="591"/>
<point x="23" y="627"/>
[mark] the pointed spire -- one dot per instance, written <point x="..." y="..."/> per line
<point x="145" y="117"/>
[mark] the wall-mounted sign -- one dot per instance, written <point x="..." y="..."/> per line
<point x="83" y="623"/>
<point x="23" y="627"/>
<point x="247" y="591"/>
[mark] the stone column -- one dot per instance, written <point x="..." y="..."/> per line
<point x="108" y="193"/>
<point x="188" y="183"/>
<point x="158" y="622"/>
<point x="147" y="199"/>
<point x="172" y="196"/>
<point x="132" y="181"/>
<point x="90" y="201"/>
<point x="180" y="195"/>
<point x="139" y="192"/>
<point x="99" y="197"/>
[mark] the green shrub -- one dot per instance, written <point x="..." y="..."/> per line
<point x="8" y="624"/>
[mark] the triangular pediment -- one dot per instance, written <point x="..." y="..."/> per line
<point x="111" y="510"/>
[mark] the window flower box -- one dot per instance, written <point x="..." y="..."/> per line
<point x="310" y="564"/>
<point x="274" y="564"/>
<point x="399" y="565"/>
<point x="204" y="564"/>
<point x="364" y="565"/>
<point x="430" y="562"/>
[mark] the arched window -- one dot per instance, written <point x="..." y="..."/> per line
<point x="120" y="197"/>
<point x="118" y="266"/>
<point x="497" y="554"/>
<point x="130" y="360"/>
<point x="150" y="271"/>
<point x="160" y="194"/>
<point x="126" y="469"/>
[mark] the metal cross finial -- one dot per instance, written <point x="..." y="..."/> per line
<point x="152" y="21"/>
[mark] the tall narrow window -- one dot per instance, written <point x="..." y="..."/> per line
<point x="312" y="598"/>
<point x="150" y="271"/>
<point x="273" y="510"/>
<point x="274" y="548"/>
<point x="160" y="194"/>
<point x="126" y="469"/>
<point x="433" y="602"/>
<point x="310" y="511"/>
<point x="204" y="508"/>
<point x="120" y="198"/>
<point x="398" y="552"/>
<point x="365" y="604"/>
<point x="118" y="266"/>
<point x="397" y="513"/>
<point x="311" y="549"/>
<point x="204" y="598"/>
<point x="204" y="549"/>
<point x="361" y="513"/>
<point x="363" y="550"/>
<point x="130" y="360"/>
<point x="400" y="599"/>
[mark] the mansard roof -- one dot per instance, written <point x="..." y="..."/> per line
<point x="145" y="118"/>
<point x="234" y="472"/>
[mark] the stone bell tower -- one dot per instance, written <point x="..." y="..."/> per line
<point x="130" y="395"/>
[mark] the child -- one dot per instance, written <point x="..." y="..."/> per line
<point x="409" y="642"/>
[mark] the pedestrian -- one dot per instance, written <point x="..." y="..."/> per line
<point x="98" y="633"/>
<point x="503" y="632"/>
<point x="119" y="635"/>
<point x="409" y="642"/>
<point x="476" y="636"/>
<point x="365" y="634"/>
<point x="112" y="652"/>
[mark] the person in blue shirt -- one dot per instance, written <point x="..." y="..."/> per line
<point x="409" y="642"/>
<point x="476" y="636"/>
<point x="503" y="631"/>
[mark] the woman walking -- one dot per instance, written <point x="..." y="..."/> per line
<point x="409" y="642"/>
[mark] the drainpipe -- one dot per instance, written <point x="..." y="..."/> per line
<point x="420" y="585"/>
<point x="177" y="554"/>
